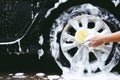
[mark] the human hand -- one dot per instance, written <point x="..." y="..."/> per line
<point x="97" y="40"/>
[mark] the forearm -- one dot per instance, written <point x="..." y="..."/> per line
<point x="114" y="37"/>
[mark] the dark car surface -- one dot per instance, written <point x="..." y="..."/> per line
<point x="22" y="22"/>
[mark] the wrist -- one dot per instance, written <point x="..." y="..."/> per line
<point x="104" y="38"/>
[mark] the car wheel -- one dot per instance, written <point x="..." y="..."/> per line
<point x="69" y="35"/>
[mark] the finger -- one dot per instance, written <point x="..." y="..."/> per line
<point x="91" y="44"/>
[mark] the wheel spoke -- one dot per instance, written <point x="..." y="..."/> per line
<point x="74" y="24"/>
<point x="67" y="37"/>
<point x="100" y="61"/>
<point x="78" y="55"/>
<point x="84" y="21"/>
<point x="68" y="46"/>
<point x="103" y="53"/>
<point x="103" y="50"/>
<point x="105" y="31"/>
<point x="97" y="54"/>
<point x="108" y="45"/>
<point x="98" y="26"/>
<point x="85" y="57"/>
<point x="106" y="50"/>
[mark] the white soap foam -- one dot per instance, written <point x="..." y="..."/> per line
<point x="55" y="6"/>
<point x="116" y="2"/>
<point x="40" y="74"/>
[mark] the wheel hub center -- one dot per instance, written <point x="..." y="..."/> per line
<point x="82" y="34"/>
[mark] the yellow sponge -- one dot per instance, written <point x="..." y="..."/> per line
<point x="81" y="35"/>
